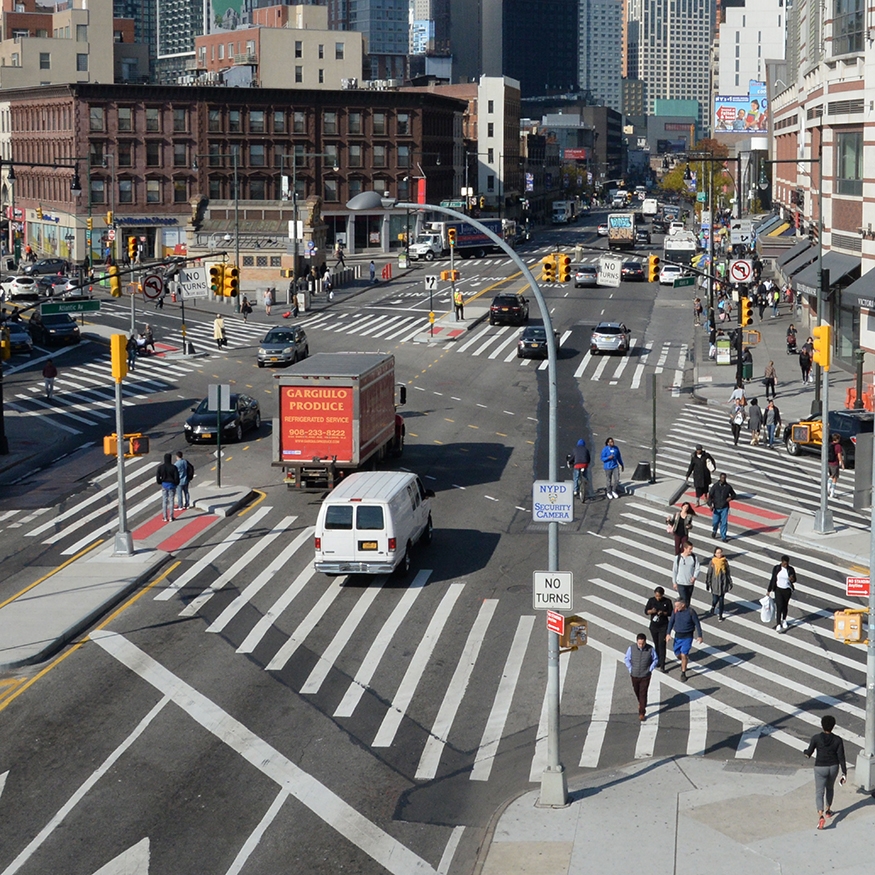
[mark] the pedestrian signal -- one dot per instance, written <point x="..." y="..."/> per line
<point x="822" y="335"/>
<point x="138" y="445"/>
<point x="217" y="279"/>
<point x="564" y="273"/>
<point x="653" y="269"/>
<point x="548" y="269"/>
<point x="115" y="284"/>
<point x="746" y="315"/>
<point x="450" y="276"/>
<point x="232" y="281"/>
<point x="132" y="248"/>
<point x="575" y="634"/>
<point x="118" y="356"/>
<point x="451" y="236"/>
<point x="110" y="445"/>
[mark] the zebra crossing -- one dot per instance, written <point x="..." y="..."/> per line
<point x="337" y="642"/>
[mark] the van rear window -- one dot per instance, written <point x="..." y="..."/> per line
<point x="338" y="516"/>
<point x="369" y="517"/>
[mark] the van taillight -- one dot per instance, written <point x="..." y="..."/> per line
<point x="318" y="543"/>
<point x="392" y="543"/>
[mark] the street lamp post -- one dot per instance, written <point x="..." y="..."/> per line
<point x="76" y="190"/>
<point x="234" y="155"/>
<point x="554" y="786"/>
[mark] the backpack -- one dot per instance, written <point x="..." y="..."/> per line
<point x="189" y="470"/>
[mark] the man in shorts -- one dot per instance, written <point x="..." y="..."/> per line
<point x="684" y="623"/>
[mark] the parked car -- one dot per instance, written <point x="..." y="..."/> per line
<point x="669" y="273"/>
<point x="244" y="414"/>
<point x="52" y="284"/>
<point x="19" y="287"/>
<point x="53" y="329"/>
<point x="512" y="309"/>
<point x="586" y="275"/>
<point x="633" y="270"/>
<point x="804" y="435"/>
<point x="533" y="342"/>
<point x="283" y="346"/>
<point x="19" y="337"/>
<point x="610" y="337"/>
<point x="46" y="265"/>
<point x="603" y="230"/>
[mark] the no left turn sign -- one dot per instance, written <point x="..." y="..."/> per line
<point x="153" y="285"/>
<point x="741" y="270"/>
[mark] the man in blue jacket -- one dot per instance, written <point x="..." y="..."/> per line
<point x="613" y="464"/>
<point x="684" y="622"/>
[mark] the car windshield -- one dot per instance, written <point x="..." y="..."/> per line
<point x="58" y="319"/>
<point x="607" y="329"/>
<point x="203" y="407"/>
<point x="586" y="270"/>
<point x="279" y="335"/>
<point x="505" y="301"/>
<point x="535" y="333"/>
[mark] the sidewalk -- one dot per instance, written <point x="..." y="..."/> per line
<point x="684" y="816"/>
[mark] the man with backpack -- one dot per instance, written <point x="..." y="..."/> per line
<point x="186" y="474"/>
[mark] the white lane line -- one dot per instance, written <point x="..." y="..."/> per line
<point x="597" y="373"/>
<point x="305" y="627"/>
<point x="249" y="593"/>
<point x="601" y="713"/>
<point x="328" y="806"/>
<point x="582" y="366"/>
<point x="618" y="372"/>
<point x="639" y="369"/>
<point x="260" y="629"/>
<point x="205" y="561"/>
<point x="495" y="723"/>
<point x="398" y="322"/>
<point x="406" y="334"/>
<point x="369" y="322"/>
<point x="415" y="668"/>
<point x="646" y="743"/>
<point x="80" y="794"/>
<point x="349" y="327"/>
<point x="474" y="339"/>
<point x="344" y="632"/>
<point x="539" y="758"/>
<point x="20" y="411"/>
<point x="502" y="346"/>
<point x="660" y="364"/>
<point x="437" y="739"/>
<point x="747" y="743"/>
<point x="244" y="562"/>
<point x="379" y="647"/>
<point x="254" y="838"/>
<point x="56" y="408"/>
<point x="697" y="740"/>
<point x="450" y="850"/>
<point x="499" y="335"/>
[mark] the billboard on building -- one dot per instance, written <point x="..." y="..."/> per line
<point x="575" y="154"/>
<point x="742" y="113"/>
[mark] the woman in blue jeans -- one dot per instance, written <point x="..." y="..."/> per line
<point x="613" y="464"/>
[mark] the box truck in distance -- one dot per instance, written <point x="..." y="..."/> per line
<point x="337" y="413"/>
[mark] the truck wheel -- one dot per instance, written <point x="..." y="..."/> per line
<point x="793" y="448"/>
<point x="238" y="432"/>
<point x="429" y="256"/>
<point x="403" y="568"/>
<point x="481" y="253"/>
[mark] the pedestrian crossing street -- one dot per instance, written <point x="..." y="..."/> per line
<point x="425" y="660"/>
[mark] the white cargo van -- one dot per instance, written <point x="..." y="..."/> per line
<point x="370" y="523"/>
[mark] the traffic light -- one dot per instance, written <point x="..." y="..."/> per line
<point x="822" y="345"/>
<point x="108" y="218"/>
<point x="5" y="345"/>
<point x="115" y="284"/>
<point x="118" y="356"/>
<point x="451" y="236"/>
<point x="39" y="213"/>
<point x="232" y="281"/>
<point x="745" y="316"/>
<point x="653" y="269"/>
<point x="132" y="248"/>
<point x="482" y="202"/>
<point x="564" y="272"/>
<point x="138" y="445"/>
<point x="110" y="445"/>
<point x="548" y="269"/>
<point x="89" y="223"/>
<point x="450" y="276"/>
<point x="217" y="279"/>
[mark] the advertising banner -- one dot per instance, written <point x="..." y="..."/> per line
<point x="316" y="422"/>
<point x="742" y="113"/>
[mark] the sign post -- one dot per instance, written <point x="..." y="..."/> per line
<point x="219" y="399"/>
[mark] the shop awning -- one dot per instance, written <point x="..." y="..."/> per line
<point x="768" y="222"/>
<point x="863" y="290"/>
<point x="797" y="250"/>
<point x="801" y="261"/>
<point x="776" y="232"/>
<point x="838" y="265"/>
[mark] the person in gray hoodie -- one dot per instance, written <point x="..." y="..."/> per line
<point x="684" y="623"/>
<point x="684" y="571"/>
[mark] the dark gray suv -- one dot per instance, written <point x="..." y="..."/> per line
<point x="283" y="345"/>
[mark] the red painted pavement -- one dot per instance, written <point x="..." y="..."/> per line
<point x="743" y="515"/>
<point x="189" y="531"/>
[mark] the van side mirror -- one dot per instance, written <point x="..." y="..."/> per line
<point x="429" y="493"/>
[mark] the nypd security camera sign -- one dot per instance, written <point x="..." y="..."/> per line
<point x="552" y="590"/>
<point x="552" y="502"/>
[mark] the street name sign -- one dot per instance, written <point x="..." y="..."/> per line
<point x="683" y="281"/>
<point x="193" y="282"/>
<point x="552" y="502"/>
<point x="552" y="590"/>
<point x="609" y="271"/>
<point x="69" y="307"/>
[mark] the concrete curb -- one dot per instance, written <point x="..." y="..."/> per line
<point x="849" y="544"/>
<point x="223" y="500"/>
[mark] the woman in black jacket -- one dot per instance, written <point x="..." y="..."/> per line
<point x="167" y="477"/>
<point x="830" y="758"/>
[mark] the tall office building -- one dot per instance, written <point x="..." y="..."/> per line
<point x="672" y="48"/>
<point x="429" y="27"/>
<point x="178" y="23"/>
<point x="600" y="30"/>
<point x="145" y="16"/>
<point x="750" y="32"/>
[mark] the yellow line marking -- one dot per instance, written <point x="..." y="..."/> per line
<point x="501" y="282"/>
<point x="501" y="434"/>
<point x="28" y="684"/>
<point x="473" y="426"/>
<point x="261" y="497"/>
<point x="448" y="420"/>
<point x="439" y="442"/>
<point x="30" y="586"/>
